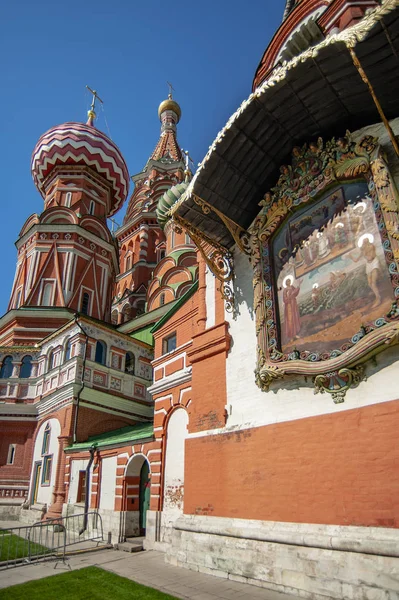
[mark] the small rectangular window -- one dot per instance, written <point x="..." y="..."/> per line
<point x="46" y="476"/>
<point x="81" y="495"/>
<point x="11" y="454"/>
<point x="169" y="344"/>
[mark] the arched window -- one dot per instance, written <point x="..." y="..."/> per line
<point x="50" y="360"/>
<point x="162" y="254"/>
<point x="188" y="239"/>
<point x="91" y="208"/>
<point x="129" y="363"/>
<point x="68" y="199"/>
<point x="162" y="300"/>
<point x="26" y="367"/>
<point x="85" y="304"/>
<point x="68" y="350"/>
<point x="140" y="307"/>
<point x="101" y="352"/>
<point x="126" y="311"/>
<point x="128" y="262"/>
<point x="114" y="317"/>
<point x="6" y="367"/>
<point x="46" y="439"/>
<point x="47" y="294"/>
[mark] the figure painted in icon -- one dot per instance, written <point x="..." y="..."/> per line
<point x="324" y="250"/>
<point x="316" y="293"/>
<point x="340" y="237"/>
<point x="292" y="322"/>
<point x="369" y="253"/>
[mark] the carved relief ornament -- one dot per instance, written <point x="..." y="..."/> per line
<point x="310" y="222"/>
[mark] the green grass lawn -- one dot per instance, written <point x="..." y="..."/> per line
<point x="91" y="583"/>
<point x="12" y="546"/>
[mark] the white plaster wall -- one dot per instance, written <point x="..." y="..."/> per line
<point x="174" y="467"/>
<point x="76" y="466"/>
<point x="210" y="298"/>
<point x="293" y="398"/>
<point x="108" y="482"/>
<point x="45" y="492"/>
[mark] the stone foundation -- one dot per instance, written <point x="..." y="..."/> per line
<point x="9" y="511"/>
<point x="312" y="561"/>
<point x="117" y="525"/>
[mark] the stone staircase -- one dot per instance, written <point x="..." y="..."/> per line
<point x="131" y="544"/>
<point x="33" y="514"/>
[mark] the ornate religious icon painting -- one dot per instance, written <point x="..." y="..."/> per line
<point x="325" y="252"/>
<point x="330" y="270"/>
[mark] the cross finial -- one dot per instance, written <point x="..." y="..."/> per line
<point x="187" y="160"/>
<point x="95" y="97"/>
<point x="171" y="89"/>
<point x="91" y="113"/>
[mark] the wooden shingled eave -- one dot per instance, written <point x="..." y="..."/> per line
<point x="308" y="98"/>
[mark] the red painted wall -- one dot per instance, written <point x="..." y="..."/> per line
<point x="335" y="469"/>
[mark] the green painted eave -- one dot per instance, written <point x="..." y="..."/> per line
<point x="119" y="437"/>
<point x="175" y="307"/>
<point x="144" y="335"/>
<point x="149" y="318"/>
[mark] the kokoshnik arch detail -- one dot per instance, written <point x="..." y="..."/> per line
<point x="325" y="253"/>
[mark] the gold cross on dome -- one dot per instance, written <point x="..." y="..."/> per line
<point x="95" y="97"/>
<point x="171" y="89"/>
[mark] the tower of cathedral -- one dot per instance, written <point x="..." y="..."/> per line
<point x="66" y="255"/>
<point x="142" y="241"/>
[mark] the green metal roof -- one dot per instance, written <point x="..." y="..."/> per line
<point x="117" y="437"/>
<point x="149" y="318"/>
<point x="175" y="307"/>
<point x="144" y="335"/>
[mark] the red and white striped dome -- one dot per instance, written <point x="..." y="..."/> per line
<point x="79" y="144"/>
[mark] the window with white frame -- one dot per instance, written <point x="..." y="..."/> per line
<point x="11" y="454"/>
<point x="85" y="304"/>
<point x="169" y="343"/>
<point x="68" y="350"/>
<point x="47" y="294"/>
<point x="18" y="300"/>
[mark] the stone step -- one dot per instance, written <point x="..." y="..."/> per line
<point x="129" y="546"/>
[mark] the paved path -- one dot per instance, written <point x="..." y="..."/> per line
<point x="148" y="568"/>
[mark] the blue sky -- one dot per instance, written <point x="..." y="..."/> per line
<point x="127" y="50"/>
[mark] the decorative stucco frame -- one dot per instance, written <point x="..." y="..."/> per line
<point x="331" y="163"/>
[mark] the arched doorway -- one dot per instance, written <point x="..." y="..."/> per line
<point x="144" y="495"/>
<point x="136" y="495"/>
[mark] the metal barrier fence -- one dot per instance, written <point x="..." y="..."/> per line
<point x="49" y="540"/>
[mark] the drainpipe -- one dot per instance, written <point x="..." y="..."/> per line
<point x="92" y="451"/>
<point x="75" y="423"/>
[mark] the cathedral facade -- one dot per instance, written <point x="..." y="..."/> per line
<point x="220" y="375"/>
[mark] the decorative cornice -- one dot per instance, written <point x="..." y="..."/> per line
<point x="174" y="380"/>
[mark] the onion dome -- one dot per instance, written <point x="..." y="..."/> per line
<point x="79" y="144"/>
<point x="168" y="200"/>
<point x="169" y="104"/>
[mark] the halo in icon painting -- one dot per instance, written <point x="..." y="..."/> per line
<point x="365" y="236"/>
<point x="290" y="278"/>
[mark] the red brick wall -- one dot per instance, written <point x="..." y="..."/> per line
<point x="21" y="434"/>
<point x="339" y="468"/>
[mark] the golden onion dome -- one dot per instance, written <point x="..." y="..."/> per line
<point x="169" y="104"/>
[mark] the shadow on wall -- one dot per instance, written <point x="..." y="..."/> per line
<point x="243" y="286"/>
